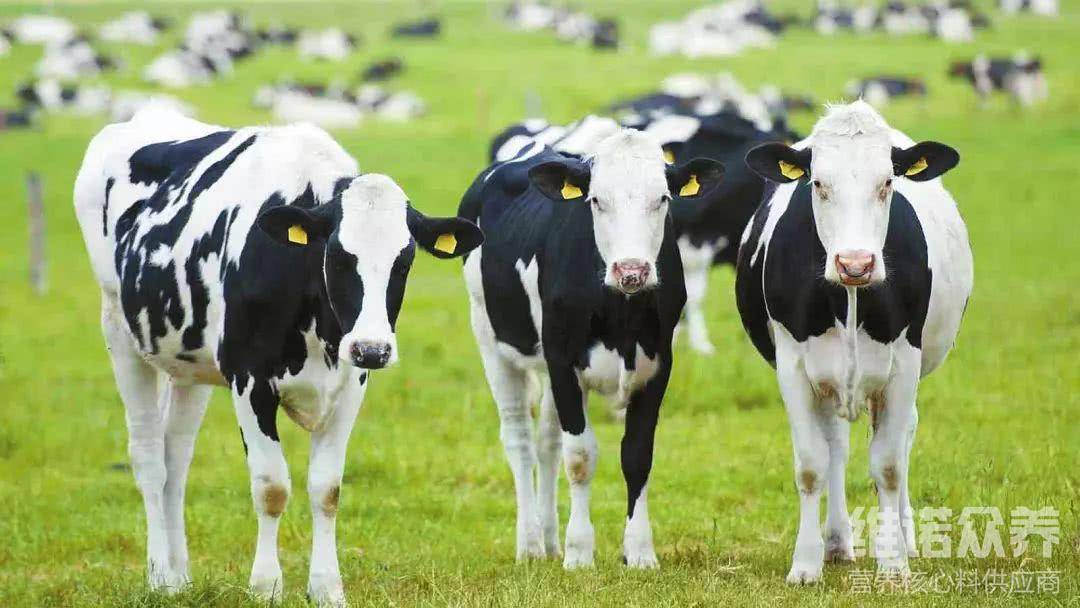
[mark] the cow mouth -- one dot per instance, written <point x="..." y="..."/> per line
<point x="851" y="281"/>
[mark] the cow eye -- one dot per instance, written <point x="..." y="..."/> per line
<point x="595" y="202"/>
<point x="817" y="183"/>
<point x="665" y="199"/>
<point x="888" y="183"/>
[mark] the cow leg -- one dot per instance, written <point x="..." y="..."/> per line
<point x="642" y="414"/>
<point x="811" y="456"/>
<point x="509" y="389"/>
<point x="186" y="406"/>
<point x="579" y="451"/>
<point x="888" y="458"/>
<point x="328" y="448"/>
<point x="838" y="539"/>
<point x="907" y="515"/>
<point x="256" y="412"/>
<point x="137" y="382"/>
<point x="696" y="264"/>
<point x="549" y="446"/>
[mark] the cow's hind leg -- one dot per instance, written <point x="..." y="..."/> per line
<point x="839" y="545"/>
<point x="186" y="406"/>
<point x="328" y="447"/>
<point x="137" y="382"/>
<point x="256" y="410"/>
<point x="907" y="515"/>
<point x="697" y="261"/>
<point x="549" y="449"/>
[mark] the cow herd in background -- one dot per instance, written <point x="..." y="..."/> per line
<point x="212" y="44"/>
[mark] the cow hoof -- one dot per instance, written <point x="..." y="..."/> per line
<point x="167" y="582"/>
<point x="804" y="574"/>
<point x="331" y="595"/>
<point x="575" y="562"/>
<point x="268" y="588"/>
<point x="644" y="561"/>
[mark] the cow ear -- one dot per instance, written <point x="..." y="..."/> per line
<point x="694" y="179"/>
<point x="779" y="163"/>
<point x="924" y="161"/>
<point x="443" y="237"/>
<point x="673" y="152"/>
<point x="559" y="181"/>
<point x="295" y="226"/>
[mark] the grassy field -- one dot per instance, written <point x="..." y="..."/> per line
<point x="427" y="515"/>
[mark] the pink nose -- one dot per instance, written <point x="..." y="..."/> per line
<point x="855" y="267"/>
<point x="631" y="275"/>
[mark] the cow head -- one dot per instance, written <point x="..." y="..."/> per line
<point x="852" y="166"/>
<point x="367" y="238"/>
<point x="629" y="190"/>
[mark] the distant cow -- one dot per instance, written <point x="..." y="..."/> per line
<point x="384" y="69"/>
<point x="879" y="91"/>
<point x="1021" y="77"/>
<point x="256" y="259"/>
<point x="852" y="280"/>
<point x="52" y="96"/>
<point x="331" y="44"/>
<point x="579" y="280"/>
<point x="424" y="28"/>
<point x="1046" y="8"/>
<point x="41" y="29"/>
<point x="135" y="27"/>
<point x="72" y="60"/>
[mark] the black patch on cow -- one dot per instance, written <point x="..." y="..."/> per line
<point x="214" y="172"/>
<point x="109" y="183"/>
<point x="153" y="163"/>
<point x="790" y="280"/>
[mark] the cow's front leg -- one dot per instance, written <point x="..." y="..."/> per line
<point x="839" y="545"/>
<point x="328" y="448"/>
<point x="187" y="404"/>
<point x="256" y="410"/>
<point x="811" y="456"/>
<point x="579" y="457"/>
<point x="907" y="513"/>
<point x="888" y="459"/>
<point x="642" y="413"/>
<point x="549" y="446"/>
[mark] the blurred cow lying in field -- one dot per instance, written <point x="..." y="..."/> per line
<point x="852" y="280"/>
<point x="568" y="24"/>
<point x="422" y="28"/>
<point x="330" y="44"/>
<point x="383" y="69"/>
<point x="579" y="280"/>
<point x="1047" y="8"/>
<point x="53" y="96"/>
<point x="183" y="67"/>
<point x="719" y="30"/>
<point x="879" y="91"/>
<point x="259" y="260"/>
<point x="41" y="29"/>
<point x="73" y="59"/>
<point x="336" y="106"/>
<point x="1021" y="77"/>
<point x="134" y="27"/>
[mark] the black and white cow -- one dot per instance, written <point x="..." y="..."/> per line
<point x="579" y="279"/>
<point x="852" y="280"/>
<point x="422" y="28"/>
<point x="1046" y="8"/>
<point x="134" y="27"/>
<point x="708" y="230"/>
<point x="259" y="260"/>
<point x="879" y="91"/>
<point x="1021" y="77"/>
<point x="384" y="69"/>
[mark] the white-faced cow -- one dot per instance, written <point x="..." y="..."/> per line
<point x="852" y="280"/>
<point x="579" y="279"/>
<point x="707" y="227"/>
<point x="259" y="260"/>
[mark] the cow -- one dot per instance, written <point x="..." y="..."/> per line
<point x="73" y="59"/>
<point x="135" y="27"/>
<point x="422" y="28"/>
<point x="879" y="91"/>
<point x="1046" y="8"/>
<point x="259" y="259"/>
<point x="41" y="29"/>
<point x="708" y="230"/>
<point x="51" y="95"/>
<point x="1021" y="77"/>
<point x="330" y="44"/>
<point x="579" y="280"/>
<point x="184" y="67"/>
<point x="384" y="69"/>
<point x="852" y="279"/>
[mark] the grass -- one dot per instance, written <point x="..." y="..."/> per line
<point x="427" y="514"/>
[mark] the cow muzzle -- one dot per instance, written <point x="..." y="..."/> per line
<point x="370" y="354"/>
<point x="631" y="276"/>
<point x="855" y="267"/>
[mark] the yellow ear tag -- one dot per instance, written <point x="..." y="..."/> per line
<point x="791" y="171"/>
<point x="446" y="243"/>
<point x="297" y="235"/>
<point x="691" y="187"/>
<point x="570" y="191"/>
<point x="919" y="166"/>
<point x="669" y="157"/>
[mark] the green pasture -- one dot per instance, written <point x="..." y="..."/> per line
<point x="427" y="513"/>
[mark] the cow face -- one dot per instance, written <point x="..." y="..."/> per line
<point x="367" y="238"/>
<point x="852" y="169"/>
<point x="628" y="189"/>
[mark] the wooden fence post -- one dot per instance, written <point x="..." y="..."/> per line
<point x="36" y="210"/>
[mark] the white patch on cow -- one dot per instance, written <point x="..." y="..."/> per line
<point x="674" y="128"/>
<point x="512" y="146"/>
<point x="161" y="256"/>
<point x="524" y="154"/>
<point x="852" y="203"/>
<point x="583" y="137"/>
<point x="628" y="196"/>
<point x="530" y="280"/>
<point x="373" y="229"/>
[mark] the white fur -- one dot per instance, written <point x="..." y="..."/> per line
<point x="133" y="27"/>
